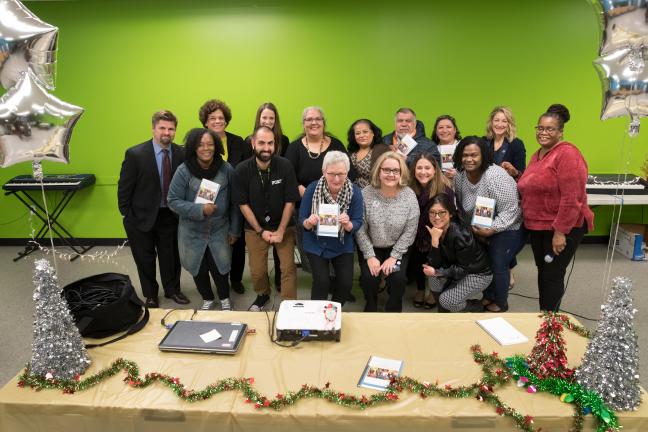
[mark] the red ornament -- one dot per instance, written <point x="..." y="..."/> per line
<point x="279" y="396"/>
<point x="266" y="403"/>
<point x="448" y="387"/>
<point x="392" y="396"/>
<point x="257" y="405"/>
<point x="499" y="410"/>
<point x="248" y="400"/>
<point x="21" y="383"/>
<point x="528" y="420"/>
<point x="251" y="380"/>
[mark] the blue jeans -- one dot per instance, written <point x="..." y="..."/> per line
<point x="503" y="248"/>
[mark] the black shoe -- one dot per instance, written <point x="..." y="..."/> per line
<point x="152" y="302"/>
<point x="258" y="304"/>
<point x="179" y="298"/>
<point x="238" y="287"/>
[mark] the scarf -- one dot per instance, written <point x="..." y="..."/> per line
<point x="322" y="194"/>
<point x="197" y="171"/>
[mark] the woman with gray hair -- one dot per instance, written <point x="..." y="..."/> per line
<point x="331" y="213"/>
<point x="307" y="153"/>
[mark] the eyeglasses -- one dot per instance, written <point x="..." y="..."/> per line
<point x="439" y="214"/>
<point x="540" y="129"/>
<point x="313" y="120"/>
<point x="388" y="171"/>
<point x="336" y="175"/>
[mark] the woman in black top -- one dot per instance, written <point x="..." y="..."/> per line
<point x="458" y="264"/>
<point x="307" y="154"/>
<point x="508" y="150"/>
<point x="215" y="115"/>
<point x="267" y="115"/>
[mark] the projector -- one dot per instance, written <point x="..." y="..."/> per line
<point x="309" y="320"/>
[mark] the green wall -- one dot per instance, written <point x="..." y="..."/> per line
<point x="122" y="61"/>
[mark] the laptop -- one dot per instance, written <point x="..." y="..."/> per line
<point x="204" y="337"/>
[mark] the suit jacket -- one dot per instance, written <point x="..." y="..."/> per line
<point x="138" y="191"/>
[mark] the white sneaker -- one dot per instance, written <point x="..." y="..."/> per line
<point x="207" y="304"/>
<point x="226" y="305"/>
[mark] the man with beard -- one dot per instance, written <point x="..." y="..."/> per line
<point x="151" y="227"/>
<point x="265" y="189"/>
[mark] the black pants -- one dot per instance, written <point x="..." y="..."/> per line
<point x="238" y="260"/>
<point x="551" y="276"/>
<point x="203" y="283"/>
<point x="160" y="242"/>
<point x="396" y="282"/>
<point x="322" y="281"/>
<point x="415" y="268"/>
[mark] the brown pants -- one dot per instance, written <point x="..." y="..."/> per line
<point x="258" y="261"/>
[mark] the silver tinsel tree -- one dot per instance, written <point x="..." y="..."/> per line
<point x="610" y="366"/>
<point x="58" y="351"/>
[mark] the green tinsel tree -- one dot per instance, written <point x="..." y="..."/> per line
<point x="58" y="351"/>
<point x="610" y="366"/>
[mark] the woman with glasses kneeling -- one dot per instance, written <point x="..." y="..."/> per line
<point x="391" y="215"/>
<point x="458" y="265"/>
<point x="331" y="213"/>
<point x="209" y="224"/>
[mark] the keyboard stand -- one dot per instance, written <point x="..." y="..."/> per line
<point x="66" y="237"/>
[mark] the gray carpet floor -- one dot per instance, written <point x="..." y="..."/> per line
<point x="585" y="294"/>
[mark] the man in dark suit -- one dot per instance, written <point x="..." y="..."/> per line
<point x="151" y="227"/>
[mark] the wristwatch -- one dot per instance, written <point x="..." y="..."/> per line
<point x="260" y="232"/>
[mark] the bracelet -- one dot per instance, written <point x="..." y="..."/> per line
<point x="260" y="232"/>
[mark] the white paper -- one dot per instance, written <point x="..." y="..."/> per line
<point x="210" y="336"/>
<point x="207" y="192"/>
<point x="502" y="331"/>
<point x="328" y="225"/>
<point x="379" y="372"/>
<point x="406" y="144"/>
<point x="233" y="335"/>
<point x="484" y="212"/>
<point x="447" y="152"/>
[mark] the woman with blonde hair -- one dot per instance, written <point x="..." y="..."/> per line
<point x="391" y="214"/>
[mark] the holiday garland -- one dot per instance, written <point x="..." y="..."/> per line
<point x="495" y="372"/>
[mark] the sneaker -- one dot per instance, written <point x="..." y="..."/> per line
<point x="207" y="304"/>
<point x="258" y="304"/>
<point x="226" y="305"/>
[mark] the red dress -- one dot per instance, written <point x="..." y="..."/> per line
<point x="553" y="191"/>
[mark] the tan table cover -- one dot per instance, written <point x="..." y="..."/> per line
<point x="433" y="347"/>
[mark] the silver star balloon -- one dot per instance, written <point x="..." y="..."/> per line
<point x="35" y="125"/>
<point x="25" y="42"/>
<point x="625" y="83"/>
<point x="624" y="24"/>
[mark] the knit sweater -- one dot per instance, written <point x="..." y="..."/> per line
<point x="497" y="184"/>
<point x="553" y="190"/>
<point x="388" y="222"/>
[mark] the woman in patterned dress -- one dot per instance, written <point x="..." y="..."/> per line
<point x="365" y="146"/>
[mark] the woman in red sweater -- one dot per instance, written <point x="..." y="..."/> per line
<point x="554" y="204"/>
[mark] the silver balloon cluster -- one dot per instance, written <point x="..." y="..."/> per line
<point x="621" y="61"/>
<point x="34" y="125"/>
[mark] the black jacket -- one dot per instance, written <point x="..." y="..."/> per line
<point x="138" y="190"/>
<point x="237" y="149"/>
<point x="459" y="254"/>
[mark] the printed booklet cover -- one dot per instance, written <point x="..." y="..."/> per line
<point x="328" y="224"/>
<point x="406" y="144"/>
<point x="379" y="372"/>
<point x="447" y="152"/>
<point x="484" y="212"/>
<point x="207" y="192"/>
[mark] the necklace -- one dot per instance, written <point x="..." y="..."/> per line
<point x="314" y="155"/>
